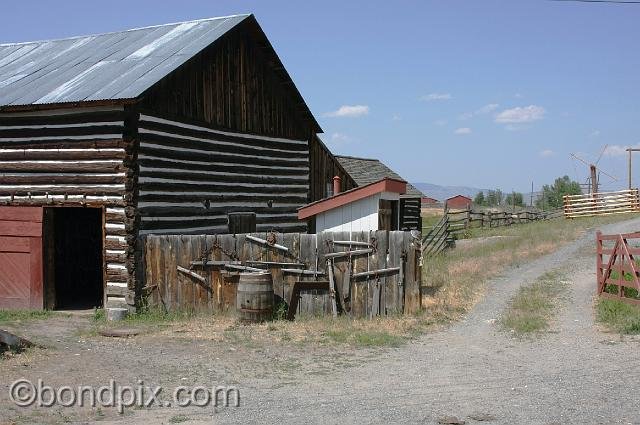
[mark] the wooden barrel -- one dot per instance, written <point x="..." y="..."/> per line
<point x="254" y="300"/>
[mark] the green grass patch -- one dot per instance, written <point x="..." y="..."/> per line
<point x="619" y="316"/>
<point x="365" y="337"/>
<point x="531" y="309"/>
<point x="11" y="316"/>
<point x="428" y="221"/>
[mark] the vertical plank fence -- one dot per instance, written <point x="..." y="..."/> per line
<point x="375" y="273"/>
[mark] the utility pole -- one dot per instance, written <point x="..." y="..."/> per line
<point x="531" y="199"/>
<point x="594" y="179"/>
<point x="630" y="150"/>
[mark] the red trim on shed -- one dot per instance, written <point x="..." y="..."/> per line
<point x="384" y="185"/>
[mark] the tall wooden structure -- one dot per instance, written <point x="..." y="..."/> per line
<point x="169" y="130"/>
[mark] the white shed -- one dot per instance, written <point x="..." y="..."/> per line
<point x="371" y="207"/>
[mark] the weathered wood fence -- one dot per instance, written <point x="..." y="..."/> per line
<point x="460" y="220"/>
<point x="617" y="270"/>
<point x="373" y="273"/>
<point x="438" y="238"/>
<point x="602" y="203"/>
<point x="443" y="234"/>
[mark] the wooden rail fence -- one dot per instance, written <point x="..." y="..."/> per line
<point x="438" y="238"/>
<point x="602" y="203"/>
<point x="461" y="220"/>
<point x="442" y="235"/>
<point x="363" y="274"/>
<point x="617" y="269"/>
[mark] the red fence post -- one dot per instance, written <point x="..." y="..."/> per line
<point x="599" y="262"/>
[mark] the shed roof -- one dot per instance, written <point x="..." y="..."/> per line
<point x="113" y="66"/>
<point x="343" y="198"/>
<point x="365" y="171"/>
<point x="429" y="199"/>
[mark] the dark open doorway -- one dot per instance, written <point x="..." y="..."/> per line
<point x="73" y="258"/>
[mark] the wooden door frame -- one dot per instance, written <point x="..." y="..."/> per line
<point x="103" y="220"/>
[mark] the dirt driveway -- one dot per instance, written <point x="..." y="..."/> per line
<point x="573" y="374"/>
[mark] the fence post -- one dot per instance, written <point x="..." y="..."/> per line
<point x="467" y="220"/>
<point x="599" y="279"/>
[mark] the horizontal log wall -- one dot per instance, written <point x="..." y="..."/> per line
<point x="212" y="288"/>
<point x="191" y="177"/>
<point x="74" y="157"/>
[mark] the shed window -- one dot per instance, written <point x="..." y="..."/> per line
<point x="242" y="222"/>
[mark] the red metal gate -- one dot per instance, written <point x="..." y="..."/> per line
<point x="617" y="267"/>
<point x="21" y="258"/>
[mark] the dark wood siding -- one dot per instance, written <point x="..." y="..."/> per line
<point x="75" y="157"/>
<point x="232" y="85"/>
<point x="324" y="166"/>
<point x="191" y="177"/>
<point x="410" y="214"/>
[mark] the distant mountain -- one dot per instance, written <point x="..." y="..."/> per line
<point x="443" y="192"/>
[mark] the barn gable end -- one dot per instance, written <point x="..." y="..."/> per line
<point x="167" y="129"/>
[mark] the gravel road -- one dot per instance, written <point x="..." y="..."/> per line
<point x="573" y="374"/>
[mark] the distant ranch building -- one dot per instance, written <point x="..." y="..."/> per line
<point x="187" y="128"/>
<point x="458" y="202"/>
<point x="428" y="202"/>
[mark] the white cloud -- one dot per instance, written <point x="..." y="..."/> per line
<point x="350" y="111"/>
<point x="436" y="96"/>
<point x="619" y="150"/>
<point x="463" y="130"/>
<point x="396" y="117"/>
<point x="486" y="109"/>
<point x="547" y="153"/>
<point x="440" y="122"/>
<point x="595" y="133"/>
<point x="521" y="114"/>
<point x="518" y="95"/>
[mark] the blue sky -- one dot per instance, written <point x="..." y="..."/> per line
<point x="480" y="93"/>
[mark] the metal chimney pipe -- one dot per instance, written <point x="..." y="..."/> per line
<point x="336" y="185"/>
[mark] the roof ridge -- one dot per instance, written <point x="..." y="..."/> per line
<point x="357" y="157"/>
<point x="77" y="37"/>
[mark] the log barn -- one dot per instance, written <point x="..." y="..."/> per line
<point x="365" y="171"/>
<point x="186" y="128"/>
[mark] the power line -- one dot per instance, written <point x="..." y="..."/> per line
<point x="600" y="1"/>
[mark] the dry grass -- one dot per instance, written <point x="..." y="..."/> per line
<point x="457" y="278"/>
<point x="532" y="308"/>
<point x="389" y="331"/>
<point x="459" y="275"/>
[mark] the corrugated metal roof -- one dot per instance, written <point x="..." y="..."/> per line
<point x="365" y="171"/>
<point x="112" y="66"/>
